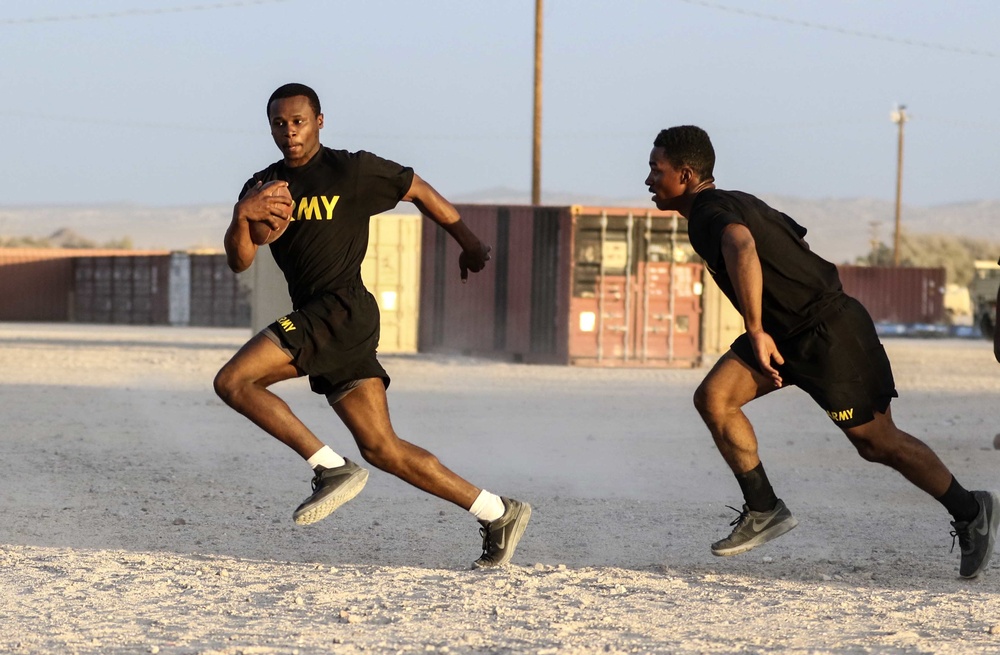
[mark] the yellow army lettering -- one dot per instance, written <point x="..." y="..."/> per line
<point x="286" y="324"/>
<point x="309" y="208"/>
<point x="842" y="415"/>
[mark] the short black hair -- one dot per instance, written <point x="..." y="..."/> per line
<point x="687" y="145"/>
<point x="292" y="90"/>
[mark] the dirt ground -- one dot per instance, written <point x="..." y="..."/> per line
<point x="140" y="515"/>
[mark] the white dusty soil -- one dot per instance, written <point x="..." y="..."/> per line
<point x="140" y="515"/>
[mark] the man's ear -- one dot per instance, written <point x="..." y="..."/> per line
<point x="319" y="121"/>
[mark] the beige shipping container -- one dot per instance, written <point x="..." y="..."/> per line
<point x="721" y="323"/>
<point x="390" y="271"/>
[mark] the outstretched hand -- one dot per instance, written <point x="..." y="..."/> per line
<point x="473" y="260"/>
<point x="766" y="352"/>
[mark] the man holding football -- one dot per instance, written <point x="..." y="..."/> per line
<point x="313" y="208"/>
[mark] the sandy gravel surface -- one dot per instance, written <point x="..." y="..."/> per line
<point x="140" y="515"/>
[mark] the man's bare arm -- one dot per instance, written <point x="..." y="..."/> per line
<point x="743" y="265"/>
<point x="433" y="205"/>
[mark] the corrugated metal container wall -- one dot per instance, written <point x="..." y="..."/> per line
<point x="721" y="321"/>
<point x="35" y="284"/>
<point x="390" y="270"/>
<point x="219" y="297"/>
<point x="636" y="292"/>
<point x="580" y="285"/>
<point x="130" y="290"/>
<point x="38" y="284"/>
<point x="897" y="295"/>
<point x="510" y="308"/>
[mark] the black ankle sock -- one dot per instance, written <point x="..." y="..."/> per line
<point x="959" y="502"/>
<point x="757" y="491"/>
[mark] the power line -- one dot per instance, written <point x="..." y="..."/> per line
<point x="83" y="120"/>
<point x="844" y="30"/>
<point x="130" y="13"/>
<point x="558" y="135"/>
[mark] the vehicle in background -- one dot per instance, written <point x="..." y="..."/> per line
<point x="983" y="292"/>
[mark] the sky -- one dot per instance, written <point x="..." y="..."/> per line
<point x="162" y="102"/>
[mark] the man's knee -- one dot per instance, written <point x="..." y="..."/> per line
<point x="223" y="383"/>
<point x="384" y="455"/>
<point x="877" y="448"/>
<point x="228" y="385"/>
<point x="710" y="404"/>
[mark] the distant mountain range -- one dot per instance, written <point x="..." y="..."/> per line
<point x="839" y="229"/>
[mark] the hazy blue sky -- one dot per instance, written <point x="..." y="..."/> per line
<point x="169" y="108"/>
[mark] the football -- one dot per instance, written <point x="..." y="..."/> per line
<point x="261" y="233"/>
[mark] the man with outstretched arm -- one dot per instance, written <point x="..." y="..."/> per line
<point x="803" y="330"/>
<point x="313" y="208"/>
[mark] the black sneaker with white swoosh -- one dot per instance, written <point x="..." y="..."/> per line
<point x="500" y="537"/>
<point x="976" y="537"/>
<point x="754" y="528"/>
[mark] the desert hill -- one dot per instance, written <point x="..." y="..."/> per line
<point x="839" y="229"/>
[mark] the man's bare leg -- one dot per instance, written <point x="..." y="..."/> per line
<point x="243" y="385"/>
<point x="719" y="399"/>
<point x="882" y="442"/>
<point x="365" y="412"/>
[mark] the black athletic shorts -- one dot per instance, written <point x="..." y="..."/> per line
<point x="333" y="339"/>
<point x="840" y="363"/>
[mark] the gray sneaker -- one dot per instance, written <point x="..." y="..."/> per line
<point x="976" y="537"/>
<point x="500" y="537"/>
<point x="755" y="528"/>
<point x="331" y="489"/>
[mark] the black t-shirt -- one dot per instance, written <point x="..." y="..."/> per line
<point x="798" y="284"/>
<point x="335" y="195"/>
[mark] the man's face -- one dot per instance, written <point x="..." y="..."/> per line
<point x="295" y="128"/>
<point x="665" y="182"/>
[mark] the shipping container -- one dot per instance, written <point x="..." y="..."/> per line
<point x="219" y="297"/>
<point x="567" y="285"/>
<point x="129" y="290"/>
<point x="390" y="271"/>
<point x="897" y="295"/>
<point x="180" y="289"/>
<point x="37" y="284"/>
<point x="721" y="321"/>
<point x="137" y="287"/>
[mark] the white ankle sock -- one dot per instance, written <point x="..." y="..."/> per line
<point x="326" y="458"/>
<point x="488" y="507"/>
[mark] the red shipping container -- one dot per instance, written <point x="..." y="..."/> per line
<point x="36" y="284"/>
<point x="897" y="295"/>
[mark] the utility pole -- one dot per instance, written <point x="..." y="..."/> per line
<point x="899" y="117"/>
<point x="536" y="140"/>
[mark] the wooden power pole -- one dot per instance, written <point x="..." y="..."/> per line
<point x="536" y="140"/>
<point x="899" y="117"/>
